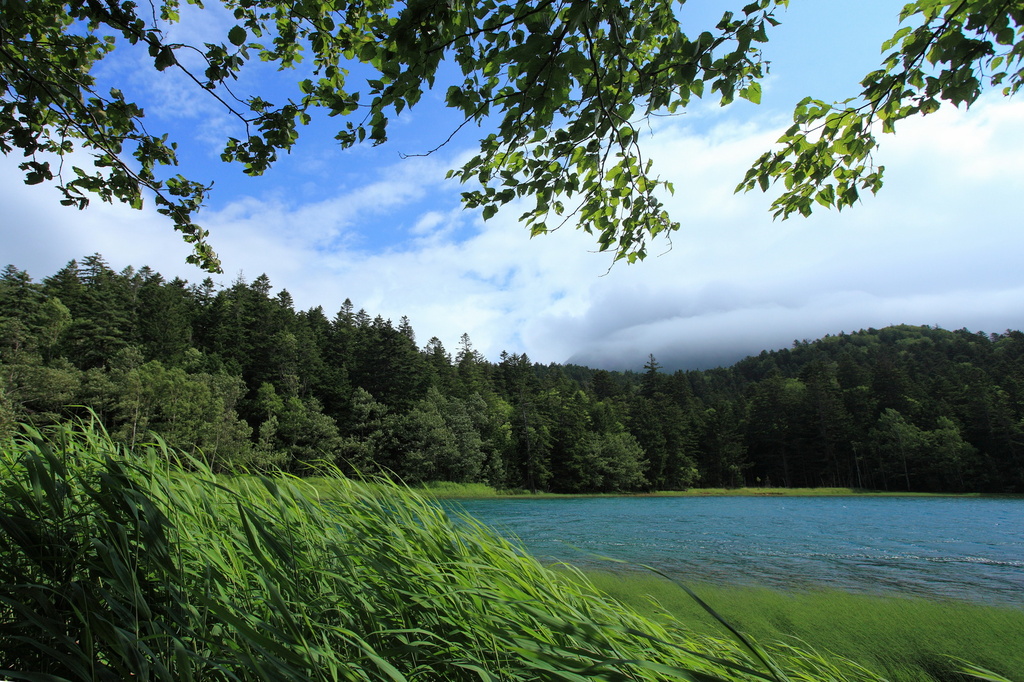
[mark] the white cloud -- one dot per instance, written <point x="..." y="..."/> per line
<point x="39" y="235"/>
<point x="939" y="245"/>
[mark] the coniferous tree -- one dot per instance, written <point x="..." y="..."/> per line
<point x="603" y="386"/>
<point x="723" y="458"/>
<point x="898" y="446"/>
<point x="529" y="464"/>
<point x="574" y="460"/>
<point x="66" y="284"/>
<point x="439" y="362"/>
<point x="99" y="303"/>
<point x="831" y="424"/>
<point x="20" y="297"/>
<point x="362" y="434"/>
<point x="651" y="383"/>
<point x="774" y="429"/>
<point x="164" y="311"/>
<point x="471" y="370"/>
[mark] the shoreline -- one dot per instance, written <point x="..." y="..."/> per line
<point x="477" y="491"/>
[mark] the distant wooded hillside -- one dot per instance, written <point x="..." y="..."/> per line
<point x="239" y="375"/>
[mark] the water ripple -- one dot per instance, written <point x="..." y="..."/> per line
<point x="940" y="547"/>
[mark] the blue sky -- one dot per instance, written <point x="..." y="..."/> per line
<point x="940" y="244"/>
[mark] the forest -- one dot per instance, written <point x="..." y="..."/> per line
<point x="237" y="376"/>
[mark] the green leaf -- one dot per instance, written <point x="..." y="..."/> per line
<point x="237" y="35"/>
<point x="752" y="93"/>
<point x="164" y="57"/>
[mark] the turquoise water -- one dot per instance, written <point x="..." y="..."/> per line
<point x="967" y="549"/>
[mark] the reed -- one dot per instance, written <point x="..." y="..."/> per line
<point x="142" y="564"/>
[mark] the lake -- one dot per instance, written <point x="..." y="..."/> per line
<point x="956" y="548"/>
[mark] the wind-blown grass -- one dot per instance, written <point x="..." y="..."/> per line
<point x="144" y="565"/>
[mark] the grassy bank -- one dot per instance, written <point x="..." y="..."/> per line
<point x="903" y="640"/>
<point x="145" y="565"/>
<point x="473" y="491"/>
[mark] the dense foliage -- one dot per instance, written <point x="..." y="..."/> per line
<point x="118" y="565"/>
<point x="237" y="376"/>
<point x="560" y="88"/>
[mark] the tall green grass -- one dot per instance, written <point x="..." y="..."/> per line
<point x="144" y="565"/>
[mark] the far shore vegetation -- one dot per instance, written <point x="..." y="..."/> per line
<point x="237" y="375"/>
<point x="473" y="491"/>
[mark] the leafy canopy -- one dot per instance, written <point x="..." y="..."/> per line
<point x="563" y="84"/>
<point x="946" y="51"/>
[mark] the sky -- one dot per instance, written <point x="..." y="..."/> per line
<point x="940" y="245"/>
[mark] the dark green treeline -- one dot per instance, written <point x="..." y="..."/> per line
<point x="239" y="375"/>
